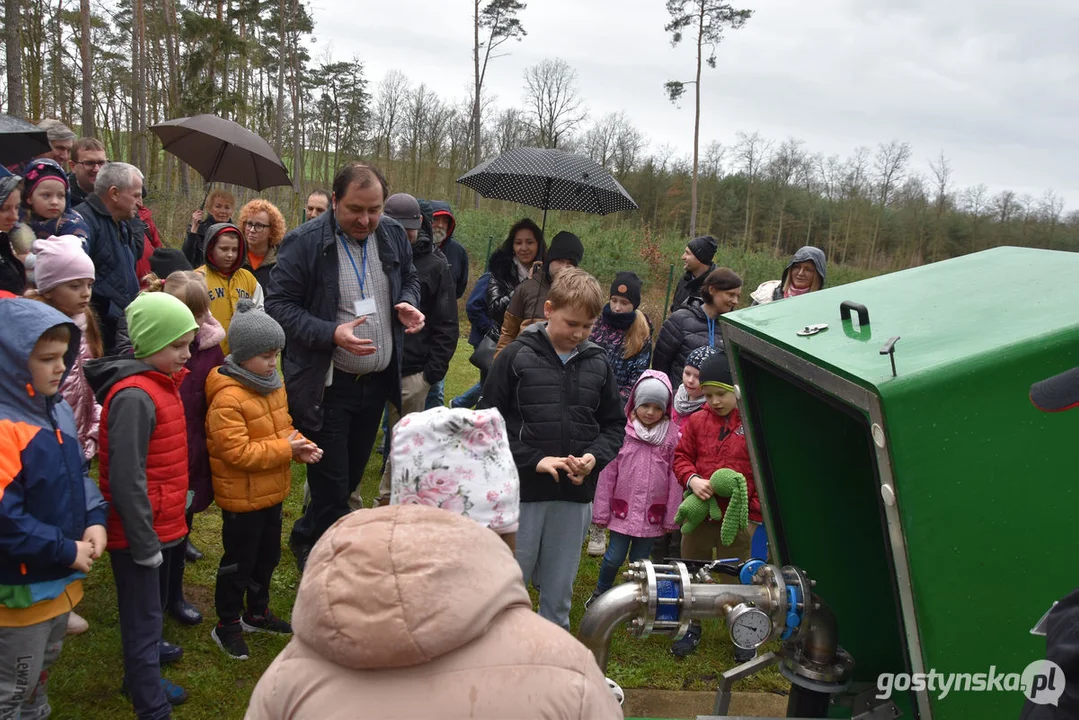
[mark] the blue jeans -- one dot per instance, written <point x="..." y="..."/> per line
<point x="468" y="398"/>
<point x="436" y="396"/>
<point x="617" y="548"/>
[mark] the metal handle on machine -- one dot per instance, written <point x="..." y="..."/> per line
<point x="863" y="312"/>
<point x="889" y="350"/>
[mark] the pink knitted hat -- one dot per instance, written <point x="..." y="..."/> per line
<point x="58" y="260"/>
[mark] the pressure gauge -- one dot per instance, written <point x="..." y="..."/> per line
<point x="750" y="626"/>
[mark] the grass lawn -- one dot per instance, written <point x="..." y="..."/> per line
<point x="86" y="680"/>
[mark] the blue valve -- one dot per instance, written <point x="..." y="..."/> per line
<point x="667" y="589"/>
<point x="794" y="614"/>
<point x="749" y="570"/>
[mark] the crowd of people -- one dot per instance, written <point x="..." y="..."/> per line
<point x="162" y="363"/>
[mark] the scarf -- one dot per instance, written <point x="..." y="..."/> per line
<point x="210" y="333"/>
<point x="619" y="321"/>
<point x="684" y="404"/>
<point x="259" y="383"/>
<point x="523" y="273"/>
<point x="652" y="435"/>
<point x="792" y="291"/>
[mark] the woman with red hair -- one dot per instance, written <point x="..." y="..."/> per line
<point x="264" y="227"/>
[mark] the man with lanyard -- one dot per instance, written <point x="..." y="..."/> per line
<point x="345" y="304"/>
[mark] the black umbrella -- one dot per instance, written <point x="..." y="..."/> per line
<point x="223" y="151"/>
<point x="550" y="180"/>
<point x="20" y="140"/>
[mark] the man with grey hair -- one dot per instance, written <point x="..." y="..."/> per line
<point x="114" y="244"/>
<point x="60" y="139"/>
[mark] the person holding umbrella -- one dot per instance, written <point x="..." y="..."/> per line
<point x="217" y="209"/>
<point x="345" y="304"/>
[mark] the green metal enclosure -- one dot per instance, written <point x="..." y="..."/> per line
<point x="933" y="508"/>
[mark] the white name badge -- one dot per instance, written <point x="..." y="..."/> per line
<point x="365" y="307"/>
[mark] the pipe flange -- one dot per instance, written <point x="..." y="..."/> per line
<point x="648" y="608"/>
<point x="796" y="577"/>
<point x="836" y="673"/>
<point x="775" y="583"/>
<point x="684" y="616"/>
<point x="821" y="687"/>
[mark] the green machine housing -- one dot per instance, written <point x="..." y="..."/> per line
<point x="933" y="507"/>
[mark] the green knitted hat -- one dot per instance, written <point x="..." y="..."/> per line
<point x="155" y="319"/>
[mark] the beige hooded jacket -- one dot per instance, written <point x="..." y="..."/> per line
<point x="410" y="611"/>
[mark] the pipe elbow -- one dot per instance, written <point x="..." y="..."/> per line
<point x="609" y="610"/>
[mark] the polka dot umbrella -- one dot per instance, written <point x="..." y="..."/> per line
<point x="549" y="180"/>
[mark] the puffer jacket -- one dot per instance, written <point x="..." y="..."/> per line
<point x="68" y="223"/>
<point x="80" y="396"/>
<point x="12" y="272"/>
<point x="476" y="309"/>
<point x="772" y="290"/>
<point x="709" y="443"/>
<point x="46" y="499"/>
<point x="303" y="297"/>
<point x="455" y="252"/>
<point x="247" y="436"/>
<point x="526" y="306"/>
<point x="206" y="355"/>
<point x="555" y="409"/>
<point x="687" y="329"/>
<point x="455" y="638"/>
<point x="430" y="350"/>
<point x="611" y="338"/>
<point x="638" y="494"/>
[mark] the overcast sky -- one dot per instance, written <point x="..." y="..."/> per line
<point x="992" y="83"/>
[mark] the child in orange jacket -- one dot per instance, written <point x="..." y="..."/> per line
<point x="252" y="444"/>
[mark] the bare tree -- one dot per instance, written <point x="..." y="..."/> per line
<point x="13" y="48"/>
<point x="390" y="102"/>
<point x="554" y="105"/>
<point x="786" y="164"/>
<point x="601" y="140"/>
<point x="855" y="177"/>
<point x="510" y="129"/>
<point x="1005" y="206"/>
<point x="707" y="19"/>
<point x="890" y="162"/>
<point x="499" y="22"/>
<point x="1050" y="206"/>
<point x="975" y="201"/>
<point x="751" y="151"/>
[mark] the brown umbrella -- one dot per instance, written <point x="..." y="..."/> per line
<point x="223" y="151"/>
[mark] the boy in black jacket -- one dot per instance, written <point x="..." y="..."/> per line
<point x="565" y="422"/>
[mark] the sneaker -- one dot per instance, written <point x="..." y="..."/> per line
<point x="267" y="623"/>
<point x="597" y="541"/>
<point x="744" y="656"/>
<point x="688" y="644"/>
<point x="230" y="638"/>
<point x="76" y="624"/>
<point x="174" y="694"/>
<point x="592" y="599"/>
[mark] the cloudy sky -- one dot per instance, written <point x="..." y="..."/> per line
<point x="991" y="83"/>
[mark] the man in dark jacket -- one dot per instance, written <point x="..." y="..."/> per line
<point x="87" y="159"/>
<point x="427" y="354"/>
<point x="345" y="304"/>
<point x="443" y="224"/>
<point x="697" y="261"/>
<point x="115" y="243"/>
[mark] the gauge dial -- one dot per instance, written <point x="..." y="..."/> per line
<point x="749" y="627"/>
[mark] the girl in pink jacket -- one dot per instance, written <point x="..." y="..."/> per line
<point x="637" y="494"/>
<point x="63" y="275"/>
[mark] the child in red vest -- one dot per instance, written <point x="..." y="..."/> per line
<point x="143" y="476"/>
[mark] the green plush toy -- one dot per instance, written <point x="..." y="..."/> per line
<point x="725" y="483"/>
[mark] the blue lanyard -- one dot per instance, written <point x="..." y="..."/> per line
<point x="359" y="275"/>
<point x="711" y="332"/>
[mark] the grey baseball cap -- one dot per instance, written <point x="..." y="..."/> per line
<point x="405" y="209"/>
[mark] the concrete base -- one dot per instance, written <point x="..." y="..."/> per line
<point x="687" y="705"/>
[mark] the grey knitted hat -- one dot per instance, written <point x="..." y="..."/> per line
<point x="651" y="390"/>
<point x="253" y="332"/>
